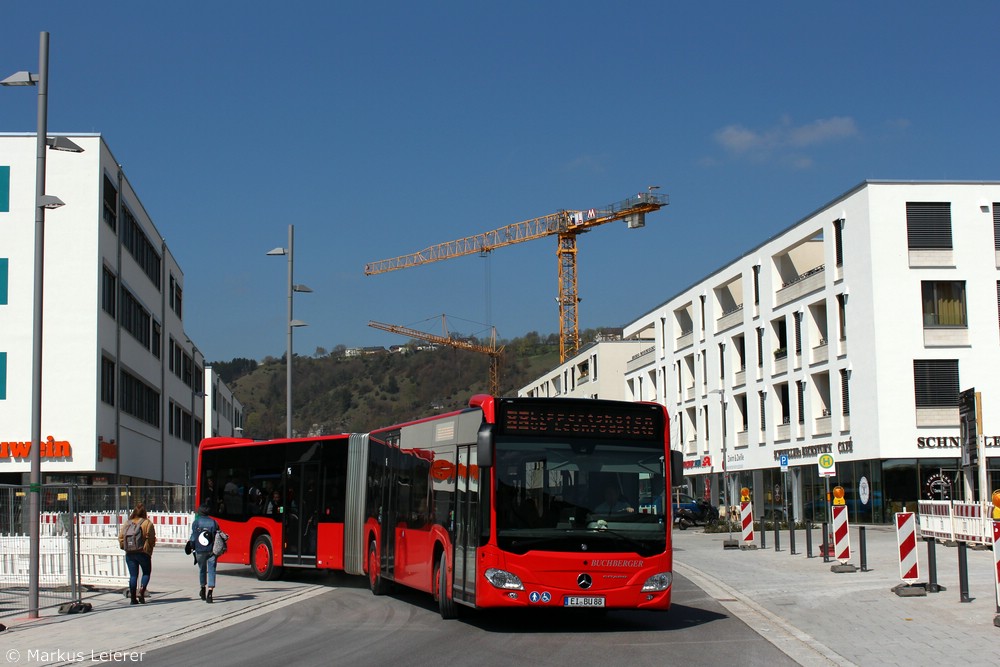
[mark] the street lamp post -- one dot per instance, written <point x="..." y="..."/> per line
<point x="292" y="323"/>
<point x="42" y="202"/>
<point x="729" y="543"/>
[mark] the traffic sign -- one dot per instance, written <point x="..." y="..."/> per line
<point x="784" y="462"/>
<point x="827" y="465"/>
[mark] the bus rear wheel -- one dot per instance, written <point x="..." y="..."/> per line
<point x="446" y="604"/>
<point x="376" y="583"/>
<point x="262" y="558"/>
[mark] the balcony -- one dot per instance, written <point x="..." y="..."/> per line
<point x="821" y="352"/>
<point x="823" y="425"/>
<point x="643" y="358"/>
<point x="729" y="319"/>
<point x="812" y="280"/>
<point x="686" y="339"/>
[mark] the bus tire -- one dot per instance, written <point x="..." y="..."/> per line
<point x="376" y="583"/>
<point x="446" y="604"/>
<point x="262" y="559"/>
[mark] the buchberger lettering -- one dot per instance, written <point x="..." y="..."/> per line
<point x="616" y="563"/>
<point x="50" y="449"/>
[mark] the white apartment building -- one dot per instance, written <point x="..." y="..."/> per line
<point x="597" y="370"/>
<point x="851" y="334"/>
<point x="123" y="387"/>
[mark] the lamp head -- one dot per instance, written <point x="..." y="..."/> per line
<point x="20" y="79"/>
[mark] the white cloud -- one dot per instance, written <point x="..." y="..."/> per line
<point x="783" y="141"/>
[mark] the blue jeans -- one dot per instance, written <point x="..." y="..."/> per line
<point x="133" y="561"/>
<point x="206" y="568"/>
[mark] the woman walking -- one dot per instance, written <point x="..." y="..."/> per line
<point x="137" y="539"/>
<point x="203" y="530"/>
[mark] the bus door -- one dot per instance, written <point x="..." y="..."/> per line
<point x="302" y="504"/>
<point x="466" y="525"/>
<point x="389" y="507"/>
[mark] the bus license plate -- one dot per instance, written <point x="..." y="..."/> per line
<point x="582" y="601"/>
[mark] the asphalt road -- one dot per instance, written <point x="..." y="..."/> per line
<point x="347" y="625"/>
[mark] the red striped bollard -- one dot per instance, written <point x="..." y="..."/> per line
<point x="746" y="520"/>
<point x="909" y="566"/>
<point x="996" y="561"/>
<point x="841" y="540"/>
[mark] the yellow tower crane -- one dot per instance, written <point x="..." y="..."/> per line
<point x="492" y="350"/>
<point x="567" y="225"/>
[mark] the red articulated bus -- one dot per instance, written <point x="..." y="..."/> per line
<point x="512" y="502"/>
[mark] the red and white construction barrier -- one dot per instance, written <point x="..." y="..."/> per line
<point x="996" y="555"/>
<point x="906" y="538"/>
<point x="841" y="534"/>
<point x="746" y="520"/>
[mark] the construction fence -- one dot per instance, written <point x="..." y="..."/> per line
<point x="78" y="543"/>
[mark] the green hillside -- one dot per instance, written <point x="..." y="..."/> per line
<point x="334" y="393"/>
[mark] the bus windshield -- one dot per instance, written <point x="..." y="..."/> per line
<point x="567" y="495"/>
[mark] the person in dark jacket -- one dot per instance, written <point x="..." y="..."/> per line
<point x="203" y="530"/>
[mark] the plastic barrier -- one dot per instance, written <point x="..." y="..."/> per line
<point x="746" y="519"/>
<point x="906" y="538"/>
<point x="841" y="534"/>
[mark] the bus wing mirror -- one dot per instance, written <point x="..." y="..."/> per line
<point x="484" y="446"/>
<point x="676" y="467"/>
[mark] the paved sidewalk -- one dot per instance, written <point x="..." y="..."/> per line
<point x="117" y="632"/>
<point x="819" y="617"/>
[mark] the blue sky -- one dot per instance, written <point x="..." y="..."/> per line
<point x="381" y="128"/>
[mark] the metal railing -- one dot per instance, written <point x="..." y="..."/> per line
<point x="78" y="542"/>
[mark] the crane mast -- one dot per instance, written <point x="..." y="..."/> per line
<point x="567" y="225"/>
<point x="492" y="350"/>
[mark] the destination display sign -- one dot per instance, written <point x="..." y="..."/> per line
<point x="589" y="419"/>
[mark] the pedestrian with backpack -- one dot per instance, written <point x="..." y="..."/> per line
<point x="203" y="531"/>
<point x="137" y="539"/>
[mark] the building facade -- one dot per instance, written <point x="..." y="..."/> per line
<point x="123" y="386"/>
<point x="597" y="370"/>
<point x="846" y="337"/>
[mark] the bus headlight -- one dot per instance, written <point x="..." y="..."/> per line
<point x="658" y="582"/>
<point x="503" y="579"/>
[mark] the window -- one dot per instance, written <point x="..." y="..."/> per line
<point x="134" y="318"/>
<point x="798" y="333"/>
<point x="928" y="225"/>
<point x="110" y="204"/>
<point x="109" y="291"/>
<point x="139" y="246"/>
<point x="4" y="263"/>
<point x="996" y="225"/>
<point x="4" y="189"/>
<point x="800" y="388"/>
<point x="760" y="347"/>
<point x="845" y="394"/>
<point x="139" y="399"/>
<point x="761" y="396"/>
<point x="157" y="341"/>
<point x="838" y="239"/>
<point x="108" y="380"/>
<point x="842" y="313"/>
<point x="756" y="284"/>
<point x="944" y="303"/>
<point x="935" y="382"/>
<point x="176" y="295"/>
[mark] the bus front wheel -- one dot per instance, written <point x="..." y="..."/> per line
<point x="263" y="559"/>
<point x="376" y="583"/>
<point x="446" y="604"/>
